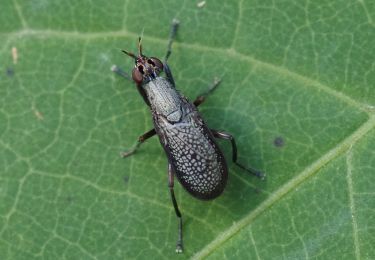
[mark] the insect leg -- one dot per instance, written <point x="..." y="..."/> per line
<point x="168" y="73"/>
<point x="141" y="139"/>
<point x="202" y="97"/>
<point x="179" y="246"/>
<point x="172" y="36"/>
<point x="116" y="69"/>
<point x="227" y="136"/>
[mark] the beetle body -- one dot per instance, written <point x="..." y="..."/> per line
<point x="190" y="146"/>
<point x="193" y="155"/>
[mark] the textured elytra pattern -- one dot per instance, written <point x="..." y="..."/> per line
<point x="198" y="163"/>
<point x="194" y="155"/>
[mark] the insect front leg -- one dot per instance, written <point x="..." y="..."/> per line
<point x="227" y="136"/>
<point x="179" y="246"/>
<point x="141" y="139"/>
<point x="168" y="73"/>
<point x="116" y="69"/>
<point x="172" y="36"/>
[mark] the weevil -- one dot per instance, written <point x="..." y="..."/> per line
<point x="193" y="154"/>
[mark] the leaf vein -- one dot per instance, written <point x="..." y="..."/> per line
<point x="368" y="108"/>
<point x="349" y="179"/>
<point x="308" y="172"/>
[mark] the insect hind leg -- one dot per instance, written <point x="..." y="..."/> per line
<point x="227" y="136"/>
<point x="179" y="245"/>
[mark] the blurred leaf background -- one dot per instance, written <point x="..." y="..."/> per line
<point x="297" y="92"/>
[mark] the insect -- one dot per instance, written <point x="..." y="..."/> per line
<point x="193" y="154"/>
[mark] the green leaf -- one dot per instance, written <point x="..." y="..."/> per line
<point x="297" y="93"/>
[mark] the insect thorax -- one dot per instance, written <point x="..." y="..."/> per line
<point x="164" y="99"/>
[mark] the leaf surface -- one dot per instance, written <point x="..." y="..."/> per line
<point x="297" y="93"/>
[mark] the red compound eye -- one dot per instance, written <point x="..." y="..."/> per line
<point x="137" y="75"/>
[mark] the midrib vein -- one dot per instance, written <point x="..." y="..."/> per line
<point x="352" y="203"/>
<point x="309" y="171"/>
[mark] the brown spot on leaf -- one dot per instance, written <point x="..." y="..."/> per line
<point x="279" y="141"/>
